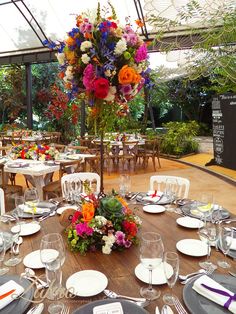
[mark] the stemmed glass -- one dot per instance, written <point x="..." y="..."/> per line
<point x="15" y="230"/>
<point x="52" y="254"/>
<point x="151" y="255"/>
<point x="19" y="204"/>
<point x="170" y="259"/>
<point x="171" y="192"/>
<point x="124" y="184"/>
<point x="226" y="237"/>
<point x="206" y="205"/>
<point x="3" y="270"/>
<point x="31" y="200"/>
<point x="208" y="233"/>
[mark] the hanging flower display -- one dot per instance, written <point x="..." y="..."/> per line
<point x="102" y="60"/>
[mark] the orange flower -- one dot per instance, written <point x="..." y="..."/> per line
<point x="121" y="200"/>
<point x="88" y="35"/>
<point x="88" y="212"/>
<point x="61" y="75"/>
<point x="79" y="20"/>
<point x="137" y="78"/>
<point x="126" y="75"/>
<point x="70" y="41"/>
<point x="139" y="23"/>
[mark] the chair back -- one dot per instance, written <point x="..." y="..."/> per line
<point x="157" y="183"/>
<point x="130" y="148"/>
<point x="2" y="202"/>
<point x="79" y="182"/>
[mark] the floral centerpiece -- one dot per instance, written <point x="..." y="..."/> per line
<point x="34" y="151"/>
<point x="106" y="224"/>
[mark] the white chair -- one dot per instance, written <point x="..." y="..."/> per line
<point x="2" y="202"/>
<point x="157" y="183"/>
<point x="79" y="181"/>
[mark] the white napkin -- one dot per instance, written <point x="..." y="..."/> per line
<point x="39" y="210"/>
<point x="151" y="198"/>
<point x="233" y="244"/>
<point x="6" y="287"/>
<point x="109" y="308"/>
<point x="213" y="296"/>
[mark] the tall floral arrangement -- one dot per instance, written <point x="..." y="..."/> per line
<point x="103" y="61"/>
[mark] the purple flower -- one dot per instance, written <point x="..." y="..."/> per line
<point x="141" y="54"/>
<point x="120" y="237"/>
<point x="83" y="229"/>
<point x="127" y="244"/>
<point x="126" y="89"/>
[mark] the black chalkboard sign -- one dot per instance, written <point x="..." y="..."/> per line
<point x="224" y="130"/>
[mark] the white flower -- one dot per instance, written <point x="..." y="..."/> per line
<point x="121" y="46"/>
<point x="106" y="249"/>
<point x="111" y="94"/>
<point x="100" y="220"/>
<point x="60" y="57"/>
<point x="137" y="220"/>
<point x="107" y="73"/>
<point x="85" y="58"/>
<point x="68" y="74"/>
<point x="109" y="240"/>
<point x="85" y="45"/>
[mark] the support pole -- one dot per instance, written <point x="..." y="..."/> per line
<point x="29" y="96"/>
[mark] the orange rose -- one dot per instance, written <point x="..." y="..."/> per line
<point x="137" y="78"/>
<point x="70" y="41"/>
<point x="88" y="212"/>
<point x="126" y="75"/>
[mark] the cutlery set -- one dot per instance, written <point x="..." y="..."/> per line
<point x="30" y="275"/>
<point x="195" y="275"/>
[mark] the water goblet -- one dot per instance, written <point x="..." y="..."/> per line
<point x="206" y="206"/>
<point x="208" y="233"/>
<point x="226" y="237"/>
<point x="31" y="198"/>
<point x="14" y="228"/>
<point x="171" y="192"/>
<point x="151" y="255"/>
<point x="124" y="184"/>
<point x="3" y="270"/>
<point x="170" y="259"/>
<point x="19" y="205"/>
<point x="52" y="254"/>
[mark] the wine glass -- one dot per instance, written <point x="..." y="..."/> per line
<point x="206" y="205"/>
<point x="3" y="270"/>
<point x="151" y="255"/>
<point x="226" y="237"/>
<point x="170" y="259"/>
<point x="31" y="198"/>
<point x="171" y="192"/>
<point x="124" y="184"/>
<point x="19" y="205"/>
<point x="52" y="254"/>
<point x="208" y="233"/>
<point x="14" y="228"/>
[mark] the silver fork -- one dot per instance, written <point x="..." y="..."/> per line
<point x="208" y="272"/>
<point x="65" y="310"/>
<point x="179" y="307"/>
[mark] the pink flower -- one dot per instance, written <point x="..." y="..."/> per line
<point x="120" y="237"/>
<point x="141" y="54"/>
<point x="83" y="229"/>
<point x="89" y="77"/>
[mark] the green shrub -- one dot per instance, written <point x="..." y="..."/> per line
<point x="179" y="138"/>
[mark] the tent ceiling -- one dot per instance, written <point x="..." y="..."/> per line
<point x="25" y="24"/>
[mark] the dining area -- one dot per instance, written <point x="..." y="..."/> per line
<point x="163" y="238"/>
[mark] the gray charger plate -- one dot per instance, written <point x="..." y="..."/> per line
<point x="42" y="204"/>
<point x="128" y="307"/>
<point x="20" y="305"/>
<point x="186" y="210"/>
<point x="197" y="304"/>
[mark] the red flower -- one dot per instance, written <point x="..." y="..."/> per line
<point x="101" y="86"/>
<point x="22" y="154"/>
<point x="76" y="216"/>
<point x="130" y="228"/>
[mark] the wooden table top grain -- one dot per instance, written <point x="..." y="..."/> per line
<point x="119" y="266"/>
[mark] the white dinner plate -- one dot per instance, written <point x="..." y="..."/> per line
<point x="158" y="275"/>
<point x="27" y="229"/>
<point x="189" y="222"/>
<point x="32" y="260"/>
<point x="60" y="210"/>
<point x="154" y="209"/>
<point x="192" y="247"/>
<point x="74" y="157"/>
<point x="86" y="283"/>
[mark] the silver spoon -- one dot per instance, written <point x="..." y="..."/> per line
<point x="184" y="277"/>
<point x="113" y="295"/>
<point x="166" y="309"/>
<point x="30" y="273"/>
<point x="37" y="309"/>
<point x="16" y="247"/>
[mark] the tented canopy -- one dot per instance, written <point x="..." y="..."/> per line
<point x="25" y="24"/>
